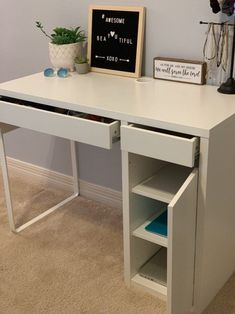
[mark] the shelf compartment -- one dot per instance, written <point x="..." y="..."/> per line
<point x="153" y="274"/>
<point x="173" y="147"/>
<point x="164" y="185"/>
<point x="156" y="238"/>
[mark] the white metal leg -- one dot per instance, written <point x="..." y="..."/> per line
<point x="50" y="210"/>
<point x="74" y="167"/>
<point x="6" y="183"/>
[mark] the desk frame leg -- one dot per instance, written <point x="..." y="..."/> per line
<point x="6" y="183"/>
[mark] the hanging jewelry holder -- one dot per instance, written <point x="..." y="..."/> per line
<point x="229" y="86"/>
<point x="210" y="53"/>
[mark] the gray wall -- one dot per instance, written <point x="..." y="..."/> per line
<point x="172" y="30"/>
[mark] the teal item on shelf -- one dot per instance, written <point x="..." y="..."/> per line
<point x="158" y="225"/>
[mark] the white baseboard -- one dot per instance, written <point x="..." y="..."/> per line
<point x="92" y="191"/>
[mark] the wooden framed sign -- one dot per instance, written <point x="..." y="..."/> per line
<point x="179" y="70"/>
<point x="115" y="39"/>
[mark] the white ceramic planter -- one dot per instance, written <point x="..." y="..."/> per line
<point x="62" y="56"/>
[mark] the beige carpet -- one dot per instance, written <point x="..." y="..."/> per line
<point x="72" y="261"/>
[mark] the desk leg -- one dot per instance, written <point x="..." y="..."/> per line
<point x="50" y="210"/>
<point x="74" y="167"/>
<point x="6" y="183"/>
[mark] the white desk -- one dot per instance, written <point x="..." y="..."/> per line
<point x="156" y="166"/>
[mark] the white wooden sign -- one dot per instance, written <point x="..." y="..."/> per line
<point x="179" y="70"/>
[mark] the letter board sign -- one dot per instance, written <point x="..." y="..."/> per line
<point x="115" y="39"/>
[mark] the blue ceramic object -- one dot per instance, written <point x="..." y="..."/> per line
<point x="62" y="72"/>
<point x="49" y="72"/>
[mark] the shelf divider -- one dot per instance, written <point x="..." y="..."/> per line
<point x="150" y="286"/>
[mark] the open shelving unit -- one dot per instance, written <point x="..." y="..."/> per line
<point x="157" y="187"/>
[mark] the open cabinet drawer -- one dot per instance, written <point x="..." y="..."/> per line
<point x="176" y="148"/>
<point x="70" y="127"/>
<point x="180" y="202"/>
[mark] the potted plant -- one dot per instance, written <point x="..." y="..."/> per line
<point x="65" y="45"/>
<point x="81" y="65"/>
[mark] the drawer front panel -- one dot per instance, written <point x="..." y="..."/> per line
<point x="171" y="148"/>
<point x="69" y="127"/>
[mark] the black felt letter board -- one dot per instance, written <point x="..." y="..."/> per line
<point x="114" y="40"/>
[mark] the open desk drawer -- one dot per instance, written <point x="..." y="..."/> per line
<point x="160" y="144"/>
<point x="62" y="125"/>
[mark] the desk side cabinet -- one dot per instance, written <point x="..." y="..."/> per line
<point x="160" y="185"/>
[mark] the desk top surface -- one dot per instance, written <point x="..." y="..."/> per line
<point x="174" y="106"/>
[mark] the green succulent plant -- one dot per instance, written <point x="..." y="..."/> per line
<point x="80" y="60"/>
<point x="62" y="35"/>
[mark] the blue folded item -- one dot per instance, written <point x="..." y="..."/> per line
<point x="158" y="225"/>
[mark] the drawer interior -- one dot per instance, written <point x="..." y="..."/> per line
<point x="73" y="125"/>
<point x="57" y="110"/>
<point x="158" y="130"/>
